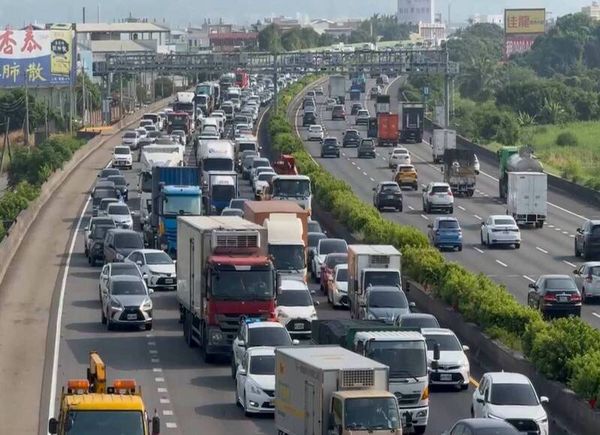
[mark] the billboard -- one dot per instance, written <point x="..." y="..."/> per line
<point x="36" y="58"/>
<point x="515" y="44"/>
<point x="524" y="21"/>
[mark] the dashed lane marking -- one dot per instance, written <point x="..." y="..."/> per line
<point x="473" y="382"/>
<point x="501" y="263"/>
<point x="462" y="208"/>
<point x="365" y="174"/>
<point x="541" y="250"/>
<point x="167" y="412"/>
<point x="161" y="390"/>
<point x="158" y="380"/>
<point x="424" y="217"/>
<point x="372" y="179"/>
<point x="528" y="278"/>
<point x="165" y="400"/>
<point x="477" y="249"/>
<point x="477" y="217"/>
<point x="565" y="232"/>
<point x="411" y="207"/>
<point x="171" y="425"/>
<point x="157" y="370"/>
<point x="568" y="263"/>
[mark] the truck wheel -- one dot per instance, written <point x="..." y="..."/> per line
<point x="420" y="429"/>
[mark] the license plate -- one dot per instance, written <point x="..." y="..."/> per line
<point x="444" y="377"/>
<point x="390" y="196"/>
<point x="131" y="316"/>
<point x="299" y="326"/>
<point x="168" y="281"/>
<point x="563" y="299"/>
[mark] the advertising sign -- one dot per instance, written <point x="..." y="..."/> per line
<point x="515" y="44"/>
<point x="36" y="58"/>
<point x="520" y="21"/>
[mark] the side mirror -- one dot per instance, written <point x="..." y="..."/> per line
<point x="316" y="303"/>
<point x="412" y="305"/>
<point x="373" y="189"/>
<point x="544" y="399"/>
<point x="150" y="291"/>
<point x="482" y="223"/>
<point x="429" y="225"/>
<point x="480" y="400"/>
<point x="532" y="285"/>
<point x="442" y="169"/>
<point x="139" y="263"/>
<point x="242" y="343"/>
<point x="578" y="230"/>
<point x="242" y="371"/>
<point x="424" y="189"/>
<point x="465" y="348"/>
<point x="53" y="426"/>
<point x="295" y="342"/>
<point x="575" y="272"/>
<point x="145" y="275"/>
<point x="436" y="351"/>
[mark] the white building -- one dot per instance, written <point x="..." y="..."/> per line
<point x="432" y="33"/>
<point x="415" y="11"/>
<point x="491" y="19"/>
<point x="592" y="11"/>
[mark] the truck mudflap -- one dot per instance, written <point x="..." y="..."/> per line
<point x="537" y="220"/>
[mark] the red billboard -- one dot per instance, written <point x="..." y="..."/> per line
<point x="515" y="44"/>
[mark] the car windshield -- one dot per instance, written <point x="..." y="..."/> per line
<point x="333" y="246"/>
<point x="294" y="298"/>
<point x="217" y="164"/>
<point x="447" y="224"/>
<point x="105" y="422"/>
<point x="100" y="231"/>
<point x="419" y="322"/>
<point x="439" y="189"/>
<point x="129" y="241"/>
<point x="158" y="258"/>
<point x="128" y="288"/>
<point x="235" y="285"/>
<point x="387" y="278"/>
<point x="106" y="202"/>
<point x="315" y="128"/>
<point x="342" y="275"/>
<point x="232" y="212"/>
<point x="367" y="143"/>
<point x="130" y="135"/>
<point x="406" y="168"/>
<point x="271" y="336"/>
<point x="504" y="221"/>
<point x="262" y="365"/>
<point x="261" y="163"/>
<point x="513" y="395"/>
<point x="404" y="358"/>
<point x="119" y="180"/>
<point x="596" y="230"/>
<point x="313" y="239"/>
<point x="237" y="203"/>
<point x="108" y="172"/>
<point x="390" y="188"/>
<point x="266" y="176"/>
<point x="330" y="141"/>
<point x="369" y="414"/>
<point x="400" y="151"/>
<point x="594" y="271"/>
<point x="122" y="151"/>
<point x="291" y="188"/>
<point x="146" y="182"/>
<point x="119" y="269"/>
<point x="387" y="299"/>
<point x="287" y="257"/>
<point x="560" y="284"/>
<point x="182" y="205"/>
<point x="118" y="209"/>
<point x="446" y="342"/>
<point x="333" y="260"/>
<point x="314" y="227"/>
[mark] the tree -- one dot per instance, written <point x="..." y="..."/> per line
<point x="476" y="41"/>
<point x="269" y="39"/>
<point x="479" y="79"/>
<point x="93" y="94"/>
<point x="163" y="87"/>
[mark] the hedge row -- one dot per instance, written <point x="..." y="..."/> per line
<point x="567" y="350"/>
<point x="29" y="169"/>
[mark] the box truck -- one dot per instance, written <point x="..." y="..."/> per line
<point x="337" y="88"/>
<point x="322" y="390"/>
<point x="412" y="118"/>
<point x="442" y="140"/>
<point x="527" y="196"/>
<point x="387" y="129"/>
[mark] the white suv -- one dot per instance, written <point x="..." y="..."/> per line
<point x="399" y="156"/>
<point x="500" y="230"/>
<point x="438" y="196"/>
<point x="453" y="365"/>
<point x="315" y="132"/>
<point x="122" y="157"/>
<point x="511" y="397"/>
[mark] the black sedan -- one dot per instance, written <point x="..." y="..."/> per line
<point x="555" y="295"/>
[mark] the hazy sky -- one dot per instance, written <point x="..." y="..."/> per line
<point x="179" y="13"/>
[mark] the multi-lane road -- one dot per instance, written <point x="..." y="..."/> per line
<point x="546" y="250"/>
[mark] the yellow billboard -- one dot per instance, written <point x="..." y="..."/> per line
<point x="524" y="21"/>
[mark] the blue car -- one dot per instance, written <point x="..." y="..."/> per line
<point x="445" y="232"/>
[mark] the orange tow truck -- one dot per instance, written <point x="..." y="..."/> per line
<point x="89" y="406"/>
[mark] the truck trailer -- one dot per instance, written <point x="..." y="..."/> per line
<point x="387" y="129"/>
<point x="403" y="351"/>
<point x="459" y="171"/>
<point x="337" y="88"/>
<point x="527" y="196"/>
<point x="371" y="265"/>
<point x="412" y="118"/>
<point x="442" y="140"/>
<point x="323" y="390"/>
<point x="515" y="159"/>
<point x="223" y="274"/>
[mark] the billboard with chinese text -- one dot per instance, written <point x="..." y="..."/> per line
<point x="524" y="21"/>
<point x="37" y="58"/>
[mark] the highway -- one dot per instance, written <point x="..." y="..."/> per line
<point x="546" y="250"/>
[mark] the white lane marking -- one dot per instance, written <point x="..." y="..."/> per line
<point x="159" y="379"/>
<point x="557" y="229"/>
<point x="353" y="163"/>
<point x="424" y="217"/>
<point x="550" y="226"/>
<point x="478" y="250"/>
<point x="365" y="174"/>
<point x="157" y="370"/>
<point x="477" y="217"/>
<point x="558" y="207"/>
<point x="411" y="207"/>
<point x="528" y="278"/>
<point x="154" y="360"/>
<point x="501" y="263"/>
<point x="149" y="335"/>
<point x="153" y="351"/>
<point x="462" y="208"/>
<point x="161" y="390"/>
<point x="372" y="179"/>
<point x="541" y="250"/>
<point x="565" y="232"/>
<point x="358" y="167"/>
<point x="167" y="412"/>
<point x="59" y="313"/>
<point x="572" y="236"/>
<point x="152" y="343"/>
<point x="171" y="425"/>
<point x="596" y="314"/>
<point x="568" y="263"/>
<point x="165" y="400"/>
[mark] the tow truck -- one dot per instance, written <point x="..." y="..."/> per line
<point x="90" y="406"/>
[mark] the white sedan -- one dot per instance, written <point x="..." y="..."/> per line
<point x="120" y="214"/>
<point x="315" y="132"/>
<point x="157" y="267"/>
<point x="255" y="381"/>
<point x="500" y="230"/>
<point x="399" y="156"/>
<point x="453" y="365"/>
<point x="262" y="182"/>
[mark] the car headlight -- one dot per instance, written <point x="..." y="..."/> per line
<point x="120" y="256"/>
<point x="542" y="420"/>
<point x="254" y="389"/>
<point x="282" y="314"/>
<point x="115" y="304"/>
<point x="371" y="316"/>
<point x="313" y="315"/>
<point x="147" y="305"/>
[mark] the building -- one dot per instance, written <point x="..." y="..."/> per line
<point x="320" y="25"/>
<point x="592" y="11"/>
<point x="491" y="19"/>
<point x="415" y="11"/>
<point x="233" y="41"/>
<point x="432" y="33"/>
<point x="284" y="23"/>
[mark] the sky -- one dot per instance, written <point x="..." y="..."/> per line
<point x="181" y="13"/>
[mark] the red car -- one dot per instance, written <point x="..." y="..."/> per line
<point x="331" y="260"/>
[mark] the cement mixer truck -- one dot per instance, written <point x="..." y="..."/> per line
<point x="513" y="159"/>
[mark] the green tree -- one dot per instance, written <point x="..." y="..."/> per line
<point x="92" y="92"/>
<point x="269" y="39"/>
<point x="163" y="87"/>
<point x="479" y="78"/>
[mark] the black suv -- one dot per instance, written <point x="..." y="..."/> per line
<point x="587" y="240"/>
<point x="118" y="244"/>
<point x="355" y="108"/>
<point x="95" y="244"/>
<point x="351" y="138"/>
<point x="309" y="118"/>
<point x="366" y="148"/>
<point x="330" y="147"/>
<point x="387" y="195"/>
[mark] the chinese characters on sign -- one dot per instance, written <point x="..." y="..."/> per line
<point x="521" y="27"/>
<point x="36" y="57"/>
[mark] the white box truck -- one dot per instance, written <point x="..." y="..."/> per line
<point x="337" y="88"/>
<point x="322" y="390"/>
<point x="442" y="140"/>
<point x="527" y="196"/>
<point x="371" y="265"/>
<point x="285" y="233"/>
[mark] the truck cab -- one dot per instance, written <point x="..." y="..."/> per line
<point x="176" y="201"/>
<point x="222" y="188"/>
<point x="292" y="188"/>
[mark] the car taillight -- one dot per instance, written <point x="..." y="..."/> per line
<point x="575" y="297"/>
<point x="449" y="192"/>
<point x="550" y="297"/>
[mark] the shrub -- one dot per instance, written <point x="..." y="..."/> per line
<point x="566" y="138"/>
<point x="585" y="380"/>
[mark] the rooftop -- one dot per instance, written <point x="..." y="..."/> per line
<point x="120" y="27"/>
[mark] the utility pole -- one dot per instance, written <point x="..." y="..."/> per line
<point x="446" y="89"/>
<point x="121" y="95"/>
<point x="275" y="80"/>
<point x="26" y="124"/>
<point x="83" y="105"/>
